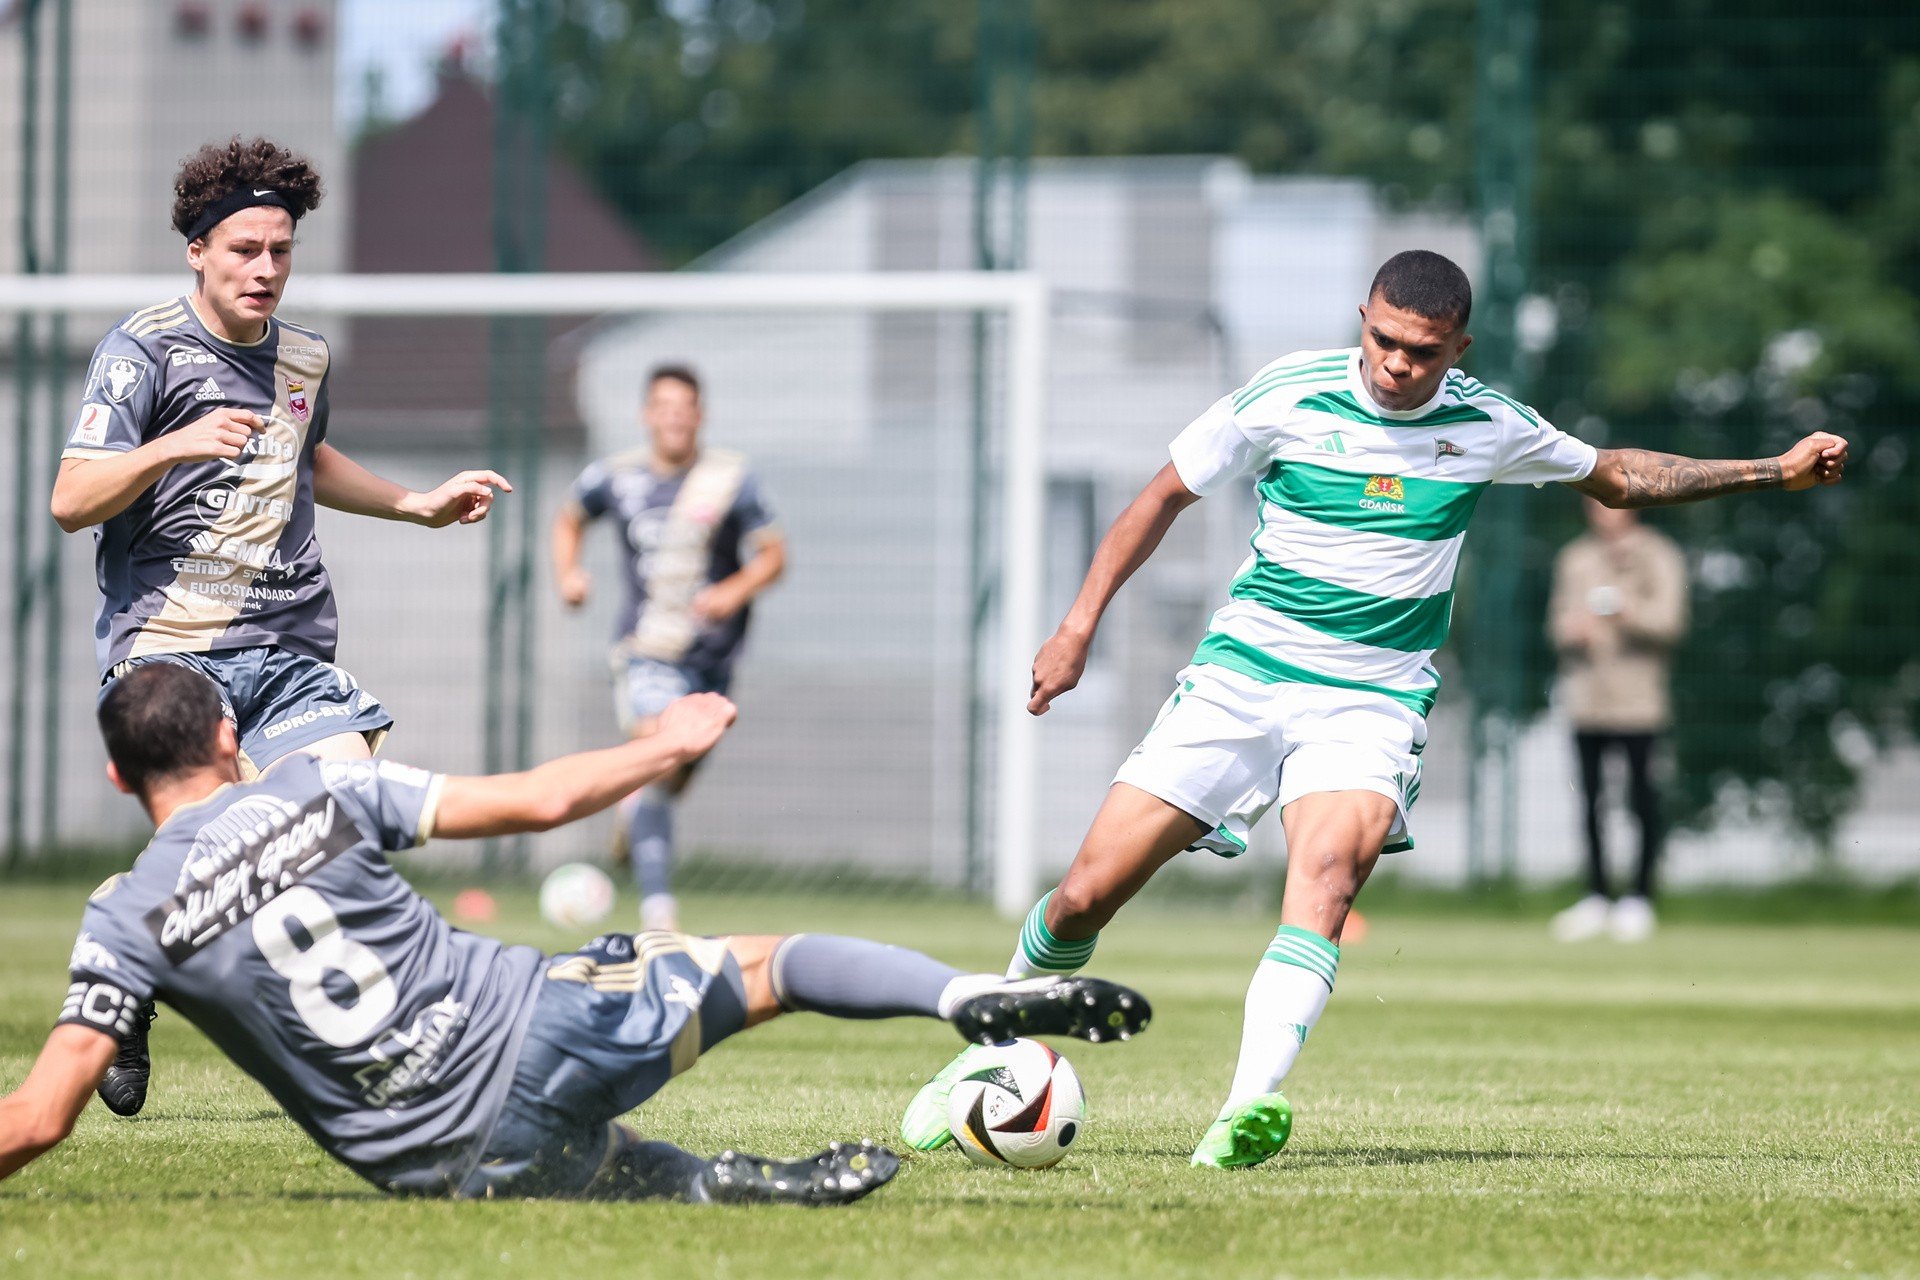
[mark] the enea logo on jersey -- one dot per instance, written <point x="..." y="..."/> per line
<point x="297" y="400"/>
<point x="1384" y="493"/>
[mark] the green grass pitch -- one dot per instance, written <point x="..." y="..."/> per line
<point x="1728" y="1100"/>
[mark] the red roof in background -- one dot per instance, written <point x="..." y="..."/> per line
<point x="423" y="197"/>
<point x="423" y="201"/>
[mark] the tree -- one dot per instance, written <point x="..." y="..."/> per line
<point x="1727" y="235"/>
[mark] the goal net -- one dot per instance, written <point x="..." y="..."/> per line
<point x="894" y="421"/>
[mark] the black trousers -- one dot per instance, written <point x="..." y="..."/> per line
<point x="1593" y="746"/>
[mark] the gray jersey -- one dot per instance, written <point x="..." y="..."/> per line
<point x="213" y="555"/>
<point x="678" y="533"/>
<point x="269" y="916"/>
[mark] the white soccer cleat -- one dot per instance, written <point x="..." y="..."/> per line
<point x="1631" y="920"/>
<point x="1584" y="920"/>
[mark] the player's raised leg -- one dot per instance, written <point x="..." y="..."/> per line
<point x="1333" y="840"/>
<point x="1133" y="835"/>
<point x="846" y="977"/>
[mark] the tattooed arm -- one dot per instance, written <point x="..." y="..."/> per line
<point x="1642" y="478"/>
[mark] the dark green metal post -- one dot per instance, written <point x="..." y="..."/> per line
<point x="27" y="364"/>
<point x="516" y="384"/>
<point x="52" y="593"/>
<point x="1508" y="38"/>
<point x="1004" y="116"/>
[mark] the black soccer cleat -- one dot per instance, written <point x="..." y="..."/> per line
<point x="124" y="1087"/>
<point x="841" y="1174"/>
<point x="1091" y="1009"/>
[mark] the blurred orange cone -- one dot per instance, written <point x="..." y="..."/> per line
<point x="474" y="906"/>
<point x="1355" y="930"/>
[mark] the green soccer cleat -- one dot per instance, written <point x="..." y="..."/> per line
<point x="924" y="1126"/>
<point x="1245" y="1135"/>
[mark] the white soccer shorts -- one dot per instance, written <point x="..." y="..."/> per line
<point x="1226" y="748"/>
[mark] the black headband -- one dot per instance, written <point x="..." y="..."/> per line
<point x="244" y="197"/>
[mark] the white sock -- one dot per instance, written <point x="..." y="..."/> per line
<point x="659" y="911"/>
<point x="1288" y="993"/>
<point x="965" y="987"/>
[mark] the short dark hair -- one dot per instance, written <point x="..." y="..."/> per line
<point x="1425" y="283"/>
<point x="160" y="719"/>
<point x="676" y="372"/>
<point x="219" y="169"/>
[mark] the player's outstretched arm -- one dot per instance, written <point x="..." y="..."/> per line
<point x="572" y="787"/>
<point x="37" y="1117"/>
<point x="343" y="484"/>
<point x="1133" y="537"/>
<point x="1642" y="478"/>
<point x="88" y="491"/>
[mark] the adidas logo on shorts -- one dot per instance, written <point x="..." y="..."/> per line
<point x="209" y="390"/>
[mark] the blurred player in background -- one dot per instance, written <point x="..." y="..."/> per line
<point x="698" y="542"/>
<point x="198" y="455"/>
<point x="432" y="1061"/>
<point x="1311" y="687"/>
<point x="1619" y="607"/>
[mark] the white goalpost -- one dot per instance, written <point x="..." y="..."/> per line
<point x="1020" y="299"/>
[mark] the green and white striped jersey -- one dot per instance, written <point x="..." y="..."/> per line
<point x="1362" y="514"/>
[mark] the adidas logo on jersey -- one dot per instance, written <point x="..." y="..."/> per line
<point x="209" y="390"/>
<point x="1332" y="444"/>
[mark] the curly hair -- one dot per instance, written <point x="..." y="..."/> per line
<point x="220" y="168"/>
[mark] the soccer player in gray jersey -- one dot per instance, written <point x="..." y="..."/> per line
<point x="698" y="542"/>
<point x="1310" y="690"/>
<point x="197" y="455"/>
<point x="429" y="1060"/>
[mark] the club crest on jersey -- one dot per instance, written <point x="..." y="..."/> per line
<point x="1384" y="493"/>
<point x="297" y="399"/>
<point x="118" y="376"/>
<point x="1447" y="449"/>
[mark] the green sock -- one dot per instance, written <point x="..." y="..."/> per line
<point x="1040" y="953"/>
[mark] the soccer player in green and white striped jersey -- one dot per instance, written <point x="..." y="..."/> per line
<point x="1311" y="686"/>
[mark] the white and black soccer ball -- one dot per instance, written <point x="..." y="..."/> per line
<point x="576" y="895"/>
<point x="1022" y="1105"/>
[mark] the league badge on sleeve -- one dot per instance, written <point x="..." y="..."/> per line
<point x="91" y="430"/>
<point x="297" y="399"/>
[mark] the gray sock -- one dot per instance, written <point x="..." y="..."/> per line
<point x="650" y="841"/>
<point x="649" y="1171"/>
<point x="855" y="978"/>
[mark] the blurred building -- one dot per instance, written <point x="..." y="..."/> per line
<point x="1174" y="278"/>
<point x="423" y="195"/>
<point x="152" y="80"/>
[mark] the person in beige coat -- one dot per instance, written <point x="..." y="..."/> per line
<point x="1619" y="607"/>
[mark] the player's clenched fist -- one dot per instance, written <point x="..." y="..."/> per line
<point x="220" y="436"/>
<point x="1821" y="458"/>
<point x="1057" y="669"/>
<point x="576" y="585"/>
<point x="697" y="721"/>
